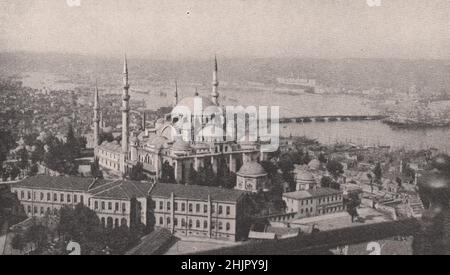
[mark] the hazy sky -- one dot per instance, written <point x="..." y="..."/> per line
<point x="231" y="28"/>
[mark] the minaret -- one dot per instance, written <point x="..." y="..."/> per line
<point x="215" y="93"/>
<point x="96" y="119"/>
<point x="125" y="117"/>
<point x="175" y="96"/>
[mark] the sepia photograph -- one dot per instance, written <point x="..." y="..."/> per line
<point x="231" y="130"/>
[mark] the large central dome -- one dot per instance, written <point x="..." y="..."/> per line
<point x="196" y="101"/>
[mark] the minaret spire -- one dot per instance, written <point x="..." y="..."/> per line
<point x="215" y="93"/>
<point x="125" y="117"/>
<point x="96" y="117"/>
<point x="175" y="97"/>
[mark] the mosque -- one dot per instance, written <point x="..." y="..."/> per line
<point x="183" y="149"/>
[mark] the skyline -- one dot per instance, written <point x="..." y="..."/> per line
<point x="231" y="29"/>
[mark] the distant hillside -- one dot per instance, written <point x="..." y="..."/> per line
<point x="348" y="73"/>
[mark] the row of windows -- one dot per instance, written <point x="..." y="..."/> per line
<point x="109" y="155"/>
<point x="110" y="163"/>
<point x="332" y="199"/>
<point x="110" y="223"/>
<point x="307" y="210"/>
<point x="35" y="210"/>
<point x="48" y="197"/>
<point x="197" y="223"/>
<point x="109" y="206"/>
<point x="330" y="210"/>
<point x="198" y="207"/>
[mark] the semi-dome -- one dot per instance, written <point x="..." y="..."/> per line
<point x="252" y="168"/>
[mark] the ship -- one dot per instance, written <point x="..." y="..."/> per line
<point x="307" y="85"/>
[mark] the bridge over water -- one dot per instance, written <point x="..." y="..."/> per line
<point x="332" y="118"/>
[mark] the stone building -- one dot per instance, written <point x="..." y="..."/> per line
<point x="252" y="178"/>
<point x="171" y="143"/>
<point x="314" y="202"/>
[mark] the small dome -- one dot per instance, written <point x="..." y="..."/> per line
<point x="314" y="164"/>
<point x="304" y="176"/>
<point x="181" y="145"/>
<point x="252" y="168"/>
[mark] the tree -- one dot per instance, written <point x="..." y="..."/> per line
<point x="270" y="168"/>
<point x="18" y="242"/>
<point x="38" y="235"/>
<point x="33" y="170"/>
<point x="108" y="137"/>
<point x="7" y="142"/>
<point x="206" y="176"/>
<point x="286" y="165"/>
<point x="14" y="172"/>
<point x="369" y="176"/>
<point x="82" y="225"/>
<point x="120" y="239"/>
<point x="378" y="173"/>
<point x="95" y="170"/>
<point x="335" y="168"/>
<point x="322" y="158"/>
<point x="137" y="172"/>
<point x="23" y="158"/>
<point x="327" y="182"/>
<point x="72" y="144"/>
<point x="37" y="155"/>
<point x="352" y="203"/>
<point x="167" y="173"/>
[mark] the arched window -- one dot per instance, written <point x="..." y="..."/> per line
<point x="116" y="223"/>
<point x="183" y="222"/>
<point x="228" y="226"/>
<point x="109" y="222"/>
<point x="103" y="222"/>
<point x="161" y="220"/>
<point x="205" y="224"/>
<point x="175" y="222"/>
<point x="190" y="223"/>
<point x="123" y="222"/>
<point x="168" y="220"/>
<point x="197" y="224"/>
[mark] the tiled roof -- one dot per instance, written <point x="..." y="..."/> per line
<point x="313" y="193"/>
<point x="123" y="189"/>
<point x="196" y="192"/>
<point x="58" y="183"/>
